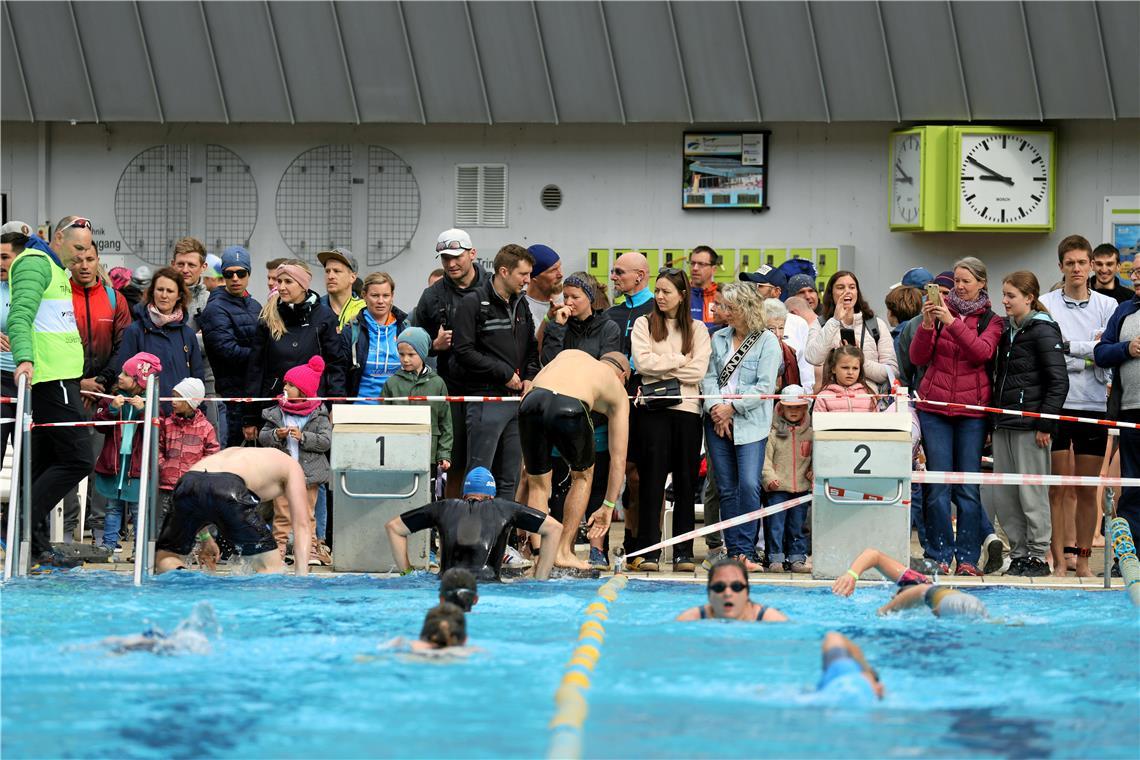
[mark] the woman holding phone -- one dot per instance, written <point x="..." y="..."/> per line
<point x="848" y="320"/>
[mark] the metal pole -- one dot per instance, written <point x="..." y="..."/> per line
<point x="153" y="496"/>
<point x="26" y="486"/>
<point x="11" y="557"/>
<point x="1108" y="514"/>
<point x="141" y="519"/>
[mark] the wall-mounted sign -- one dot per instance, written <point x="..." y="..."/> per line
<point x="725" y="170"/>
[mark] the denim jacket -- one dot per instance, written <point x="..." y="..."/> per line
<point x="757" y="374"/>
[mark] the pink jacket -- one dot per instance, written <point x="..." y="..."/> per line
<point x="182" y="441"/>
<point x="836" y="398"/>
<point x="957" y="357"/>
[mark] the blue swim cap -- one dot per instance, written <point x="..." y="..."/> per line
<point x="479" y="481"/>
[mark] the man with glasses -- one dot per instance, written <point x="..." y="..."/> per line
<point x="630" y="276"/>
<point x="49" y="353"/>
<point x="1082" y="315"/>
<point x="702" y="301"/>
<point x="229" y="325"/>
<point x="435" y="313"/>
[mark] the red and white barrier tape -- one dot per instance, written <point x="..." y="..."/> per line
<point x="842" y="492"/>
<point x="100" y="423"/>
<point x="1018" y="479"/>
<point x="738" y="520"/>
<point x="1032" y="415"/>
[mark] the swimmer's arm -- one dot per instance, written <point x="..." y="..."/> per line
<point x="912" y="596"/>
<point x="618" y="422"/>
<point x="550" y="531"/>
<point x="693" y="613"/>
<point x="890" y="567"/>
<point x="398" y="539"/>
<point x="298" y="497"/>
<point x="773" y="615"/>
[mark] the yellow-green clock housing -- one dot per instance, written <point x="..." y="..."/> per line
<point x="917" y="168"/>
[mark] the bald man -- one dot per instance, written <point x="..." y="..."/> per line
<point x="556" y="412"/>
<point x="630" y="276"/>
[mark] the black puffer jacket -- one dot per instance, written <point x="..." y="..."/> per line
<point x="310" y="329"/>
<point x="493" y="340"/>
<point x="1029" y="373"/>
<point x="596" y="335"/>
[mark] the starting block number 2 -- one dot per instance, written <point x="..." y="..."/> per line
<point x="859" y="468"/>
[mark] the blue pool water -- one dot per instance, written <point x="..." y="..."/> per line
<point x="283" y="678"/>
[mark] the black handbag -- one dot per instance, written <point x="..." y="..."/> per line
<point x="654" y="395"/>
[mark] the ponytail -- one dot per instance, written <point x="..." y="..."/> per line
<point x="1026" y="283"/>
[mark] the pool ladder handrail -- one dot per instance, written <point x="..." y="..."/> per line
<point x="148" y="489"/>
<point x="17" y="556"/>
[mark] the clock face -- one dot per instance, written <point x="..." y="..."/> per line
<point x="1005" y="180"/>
<point x="906" y="178"/>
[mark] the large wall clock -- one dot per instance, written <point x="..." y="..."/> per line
<point x="1004" y="179"/>
<point x="917" y="185"/>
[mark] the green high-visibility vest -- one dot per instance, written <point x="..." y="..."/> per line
<point x="56" y="348"/>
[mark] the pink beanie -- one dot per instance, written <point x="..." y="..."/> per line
<point x="307" y="377"/>
<point x="141" y="366"/>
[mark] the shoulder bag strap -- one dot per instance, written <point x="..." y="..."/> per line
<point x="731" y="364"/>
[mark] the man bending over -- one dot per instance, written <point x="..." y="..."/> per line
<point x="556" y="412"/>
<point x="224" y="489"/>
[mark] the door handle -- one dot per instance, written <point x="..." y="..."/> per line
<point x="879" y="501"/>
<point x="408" y="495"/>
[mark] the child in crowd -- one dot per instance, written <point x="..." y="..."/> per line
<point x="185" y="436"/>
<point x="300" y="426"/>
<point x="775" y="317"/>
<point x="415" y="378"/>
<point x="119" y="465"/>
<point x="787" y="475"/>
<point x="845" y="388"/>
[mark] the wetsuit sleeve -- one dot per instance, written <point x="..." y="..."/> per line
<point x="421" y="518"/>
<point x="526" y="518"/>
<point x="27" y="292"/>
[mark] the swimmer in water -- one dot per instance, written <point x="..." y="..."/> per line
<point x="729" y="599"/>
<point x="225" y="489"/>
<point x="473" y="530"/>
<point x="914" y="588"/>
<point x="845" y="670"/>
<point x="444" y="635"/>
<point x="191" y="636"/>
<point x="458" y="587"/>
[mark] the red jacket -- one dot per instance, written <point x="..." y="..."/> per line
<point x="100" y="330"/>
<point x="182" y="443"/>
<point x="957" y="356"/>
<point x="108" y="461"/>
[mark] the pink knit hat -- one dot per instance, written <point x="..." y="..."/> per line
<point x="141" y="366"/>
<point x="307" y="377"/>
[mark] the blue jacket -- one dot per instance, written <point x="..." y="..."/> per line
<point x="175" y="345"/>
<point x="356" y="334"/>
<point x="229" y="326"/>
<point x="757" y="374"/>
<point x="1111" y="352"/>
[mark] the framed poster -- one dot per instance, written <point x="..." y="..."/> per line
<point x="725" y="170"/>
<point x="1122" y="229"/>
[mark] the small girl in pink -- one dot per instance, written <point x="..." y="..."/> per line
<point x="845" y="388"/>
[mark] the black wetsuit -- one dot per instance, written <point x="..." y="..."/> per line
<point x="221" y="498"/>
<point x="550" y="419"/>
<point x="473" y="534"/>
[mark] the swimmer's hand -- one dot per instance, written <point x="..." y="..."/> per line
<point x="844" y="585"/>
<point x="209" y="554"/>
<point x="599" y="523"/>
<point x="444" y="465"/>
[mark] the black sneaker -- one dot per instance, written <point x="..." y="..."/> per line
<point x="1035" y="568"/>
<point x="1016" y="566"/>
<point x="52" y="561"/>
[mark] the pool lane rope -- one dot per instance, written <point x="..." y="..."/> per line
<point x="1125" y="549"/>
<point x="570" y="707"/>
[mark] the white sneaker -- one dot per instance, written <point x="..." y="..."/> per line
<point x="515" y="561"/>
<point x="990" y="560"/>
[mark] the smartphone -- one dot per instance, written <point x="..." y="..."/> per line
<point x="847" y="336"/>
<point x="933" y="294"/>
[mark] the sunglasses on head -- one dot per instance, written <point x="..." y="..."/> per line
<point x="450" y="245"/>
<point x="77" y="223"/>
<point x="720" y="586"/>
<point x="230" y="274"/>
<point x="669" y="270"/>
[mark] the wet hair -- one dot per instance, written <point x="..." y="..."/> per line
<point x="743" y="297"/>
<point x="861" y="306"/>
<point x="444" y="626"/>
<point x="975" y="267"/>
<point x="658" y="330"/>
<point x="1073" y="243"/>
<point x="904" y="303"/>
<point x="171" y="274"/>
<point x="1106" y="249"/>
<point x="457" y="586"/>
<point x="728" y="562"/>
<point x="1026" y="283"/>
<point x="509" y="257"/>
<point x="833" y="359"/>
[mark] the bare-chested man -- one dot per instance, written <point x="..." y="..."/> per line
<point x="224" y="489"/>
<point x="556" y="412"/>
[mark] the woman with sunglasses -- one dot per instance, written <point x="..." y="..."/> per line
<point x="729" y="599"/>
<point x="671" y="351"/>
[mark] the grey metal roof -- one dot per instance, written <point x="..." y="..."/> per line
<point x="489" y="62"/>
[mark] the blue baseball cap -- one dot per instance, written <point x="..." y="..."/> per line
<point x="479" y="481"/>
<point x="766" y="275"/>
<point x="918" y="277"/>
<point x="236" y="256"/>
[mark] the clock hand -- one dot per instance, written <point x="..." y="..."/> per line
<point x="993" y="175"/>
<point x="905" y="177"/>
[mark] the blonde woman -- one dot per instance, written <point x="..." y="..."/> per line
<point x="291" y="328"/>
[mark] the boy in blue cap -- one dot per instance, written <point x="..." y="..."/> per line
<point x="473" y="530"/>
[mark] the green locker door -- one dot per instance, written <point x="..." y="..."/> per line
<point x="678" y="258"/>
<point x="749" y="260"/>
<point x="774" y="257"/>
<point x="826" y="264"/>
<point x="598" y="263"/>
<point x="726" y="270"/>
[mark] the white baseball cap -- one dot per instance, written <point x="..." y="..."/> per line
<point x="452" y="242"/>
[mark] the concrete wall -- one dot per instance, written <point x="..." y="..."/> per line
<point x="828" y="186"/>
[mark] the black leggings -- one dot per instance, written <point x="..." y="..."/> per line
<point x="670" y="443"/>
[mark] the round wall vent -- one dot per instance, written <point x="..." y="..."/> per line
<point x="551" y="197"/>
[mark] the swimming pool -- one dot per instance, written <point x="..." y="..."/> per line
<point x="283" y="678"/>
